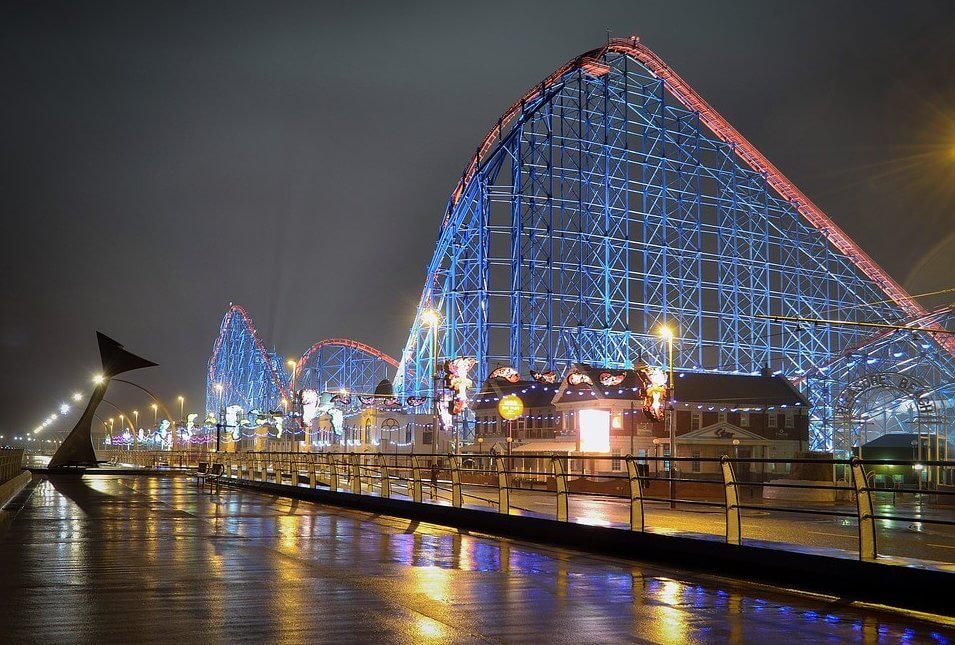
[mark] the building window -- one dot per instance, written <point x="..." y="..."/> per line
<point x="789" y="420"/>
<point x="721" y="417"/>
<point x="409" y="433"/>
<point x="772" y="419"/>
<point x="427" y="437"/>
<point x="615" y="462"/>
<point x="696" y="420"/>
<point x="695" y="464"/>
<point x="744" y="419"/>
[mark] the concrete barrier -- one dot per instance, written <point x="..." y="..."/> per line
<point x="10" y="488"/>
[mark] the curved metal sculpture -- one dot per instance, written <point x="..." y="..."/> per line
<point x="77" y="448"/>
<point x="612" y="199"/>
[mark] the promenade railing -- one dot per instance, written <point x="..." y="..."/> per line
<point x="735" y="499"/>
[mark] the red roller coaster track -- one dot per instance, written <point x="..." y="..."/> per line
<point x="632" y="47"/>
<point x="343" y="342"/>
<point x="260" y="348"/>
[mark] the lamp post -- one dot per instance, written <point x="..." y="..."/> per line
<point x="155" y="415"/>
<point x="432" y="318"/>
<point x="136" y="427"/>
<point x="219" y="425"/>
<point x="668" y="335"/>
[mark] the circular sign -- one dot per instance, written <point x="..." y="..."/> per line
<point x="510" y="407"/>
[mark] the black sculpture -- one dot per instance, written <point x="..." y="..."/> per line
<point x="77" y="448"/>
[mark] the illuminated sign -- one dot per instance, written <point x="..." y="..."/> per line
<point x="594" y="430"/>
<point x="510" y="407"/>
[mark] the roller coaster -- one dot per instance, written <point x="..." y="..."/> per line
<point x="611" y="199"/>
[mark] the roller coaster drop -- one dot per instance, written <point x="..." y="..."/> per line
<point x="612" y="199"/>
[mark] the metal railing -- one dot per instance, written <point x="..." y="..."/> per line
<point x="491" y="482"/>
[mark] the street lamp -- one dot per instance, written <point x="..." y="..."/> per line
<point x="432" y="318"/>
<point x="668" y="334"/>
<point x="218" y="389"/>
<point x="136" y="428"/>
<point x="77" y="396"/>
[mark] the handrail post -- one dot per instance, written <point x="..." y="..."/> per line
<point x="456" y="497"/>
<point x="503" y="486"/>
<point x="636" y="496"/>
<point x="560" y="476"/>
<point x="332" y="472"/>
<point x="385" y="477"/>
<point x="867" y="541"/>
<point x="355" y="474"/>
<point x="416" y="479"/>
<point x="733" y="527"/>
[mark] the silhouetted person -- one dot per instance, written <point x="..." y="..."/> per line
<point x="435" y="470"/>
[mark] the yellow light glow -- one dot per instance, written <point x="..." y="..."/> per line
<point x="98" y="379"/>
<point x="154" y="406"/>
<point x="181" y="398"/>
<point x="430" y="317"/>
<point x="77" y="396"/>
<point x="666" y="333"/>
<point x="218" y="387"/>
<point x="291" y="363"/>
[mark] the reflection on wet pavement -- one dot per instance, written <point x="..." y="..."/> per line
<point x="135" y="559"/>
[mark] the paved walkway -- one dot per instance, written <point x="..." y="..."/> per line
<point x="125" y="559"/>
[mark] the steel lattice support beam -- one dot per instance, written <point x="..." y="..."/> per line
<point x="611" y="199"/>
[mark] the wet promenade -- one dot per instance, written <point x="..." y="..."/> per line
<point x="145" y="559"/>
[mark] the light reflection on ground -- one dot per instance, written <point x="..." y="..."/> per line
<point x="134" y="559"/>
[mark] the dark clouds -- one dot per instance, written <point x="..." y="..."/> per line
<point x="158" y="162"/>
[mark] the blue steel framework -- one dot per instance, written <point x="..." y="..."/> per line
<point x="249" y="375"/>
<point x="342" y="364"/>
<point x="612" y="200"/>
<point x="256" y="379"/>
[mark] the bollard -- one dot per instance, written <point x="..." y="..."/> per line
<point x="733" y="527"/>
<point x="456" y="497"/>
<point x="867" y="543"/>
<point x="355" y="474"/>
<point x="416" y="479"/>
<point x="503" y="486"/>
<point x="560" y="476"/>
<point x="385" y="477"/>
<point x="636" y="496"/>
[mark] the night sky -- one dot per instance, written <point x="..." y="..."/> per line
<point x="159" y="162"/>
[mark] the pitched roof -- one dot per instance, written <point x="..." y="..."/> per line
<point x="532" y="393"/>
<point x="707" y="387"/>
<point x="630" y="388"/>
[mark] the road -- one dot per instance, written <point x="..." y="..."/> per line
<point x="119" y="559"/>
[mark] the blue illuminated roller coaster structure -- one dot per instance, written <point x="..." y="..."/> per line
<point x="242" y="372"/>
<point x="612" y="199"/>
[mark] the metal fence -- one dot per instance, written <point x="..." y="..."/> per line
<point x="664" y="487"/>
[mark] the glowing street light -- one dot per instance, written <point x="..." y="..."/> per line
<point x="155" y="414"/>
<point x="668" y="334"/>
<point x="77" y="397"/>
<point x="182" y="402"/>
<point x="432" y="319"/>
<point x="98" y="379"/>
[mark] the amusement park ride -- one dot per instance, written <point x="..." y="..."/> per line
<point x="608" y="201"/>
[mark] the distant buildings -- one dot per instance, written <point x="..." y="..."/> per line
<point x="597" y="416"/>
